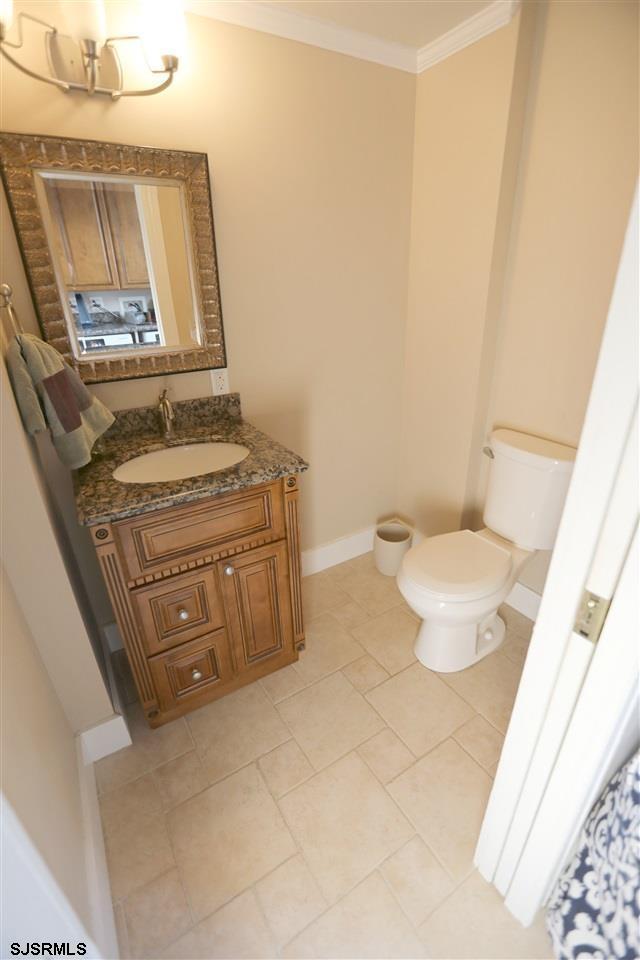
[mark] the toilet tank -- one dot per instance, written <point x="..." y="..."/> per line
<point x="528" y="482"/>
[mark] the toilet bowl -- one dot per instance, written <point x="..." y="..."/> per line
<point x="455" y="582"/>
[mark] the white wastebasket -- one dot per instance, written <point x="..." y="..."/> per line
<point x="391" y="542"/>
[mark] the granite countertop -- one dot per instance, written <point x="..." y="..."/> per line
<point x="101" y="499"/>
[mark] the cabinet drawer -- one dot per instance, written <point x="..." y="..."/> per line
<point x="190" y="672"/>
<point x="178" y="610"/>
<point x="168" y="538"/>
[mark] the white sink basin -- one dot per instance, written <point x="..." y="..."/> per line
<point x="180" y="462"/>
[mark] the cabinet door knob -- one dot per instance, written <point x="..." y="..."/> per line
<point x="229" y="571"/>
<point x="196" y="674"/>
<point x="183" y="614"/>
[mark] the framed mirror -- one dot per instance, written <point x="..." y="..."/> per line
<point x="119" y="247"/>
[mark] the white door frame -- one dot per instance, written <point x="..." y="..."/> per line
<point x="556" y="666"/>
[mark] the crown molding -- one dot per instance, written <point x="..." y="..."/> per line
<point x="316" y="33"/>
<point x="497" y="14"/>
<point x="268" y="18"/>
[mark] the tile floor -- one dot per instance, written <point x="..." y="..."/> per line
<point x="329" y="810"/>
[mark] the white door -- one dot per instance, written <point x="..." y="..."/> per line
<point x="574" y="713"/>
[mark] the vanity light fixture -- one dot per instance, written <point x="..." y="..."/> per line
<point x="82" y="56"/>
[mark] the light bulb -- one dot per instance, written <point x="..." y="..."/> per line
<point x="163" y="30"/>
<point x="85" y="20"/>
<point x="6" y="15"/>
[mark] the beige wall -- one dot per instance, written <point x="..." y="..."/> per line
<point x="462" y="114"/>
<point x="310" y="155"/>
<point x="34" y="563"/>
<point x="508" y="332"/>
<point x="575" y="190"/>
<point x="39" y="768"/>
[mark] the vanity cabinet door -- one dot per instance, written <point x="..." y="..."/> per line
<point x="255" y="589"/>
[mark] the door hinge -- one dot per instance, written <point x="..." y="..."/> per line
<point x="592" y="613"/>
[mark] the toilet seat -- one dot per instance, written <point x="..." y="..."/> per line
<point x="457" y="566"/>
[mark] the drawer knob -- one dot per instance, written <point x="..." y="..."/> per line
<point x="183" y="614"/>
<point x="196" y="674"/>
<point x="229" y="571"/>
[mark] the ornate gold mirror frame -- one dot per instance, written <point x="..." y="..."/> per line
<point x="22" y="155"/>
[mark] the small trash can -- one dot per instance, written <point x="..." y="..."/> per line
<point x="391" y="542"/>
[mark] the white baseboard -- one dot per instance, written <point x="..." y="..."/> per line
<point x="103" y="927"/>
<point x="337" y="551"/>
<point x="105" y="738"/>
<point x="525" y="600"/>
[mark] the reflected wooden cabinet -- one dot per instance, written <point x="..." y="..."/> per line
<point x="207" y="595"/>
<point x="97" y="235"/>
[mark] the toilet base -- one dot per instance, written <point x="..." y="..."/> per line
<point x="447" y="649"/>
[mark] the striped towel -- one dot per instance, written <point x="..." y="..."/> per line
<point x="50" y="395"/>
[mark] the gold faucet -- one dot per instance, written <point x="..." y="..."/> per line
<point x="167" y="415"/>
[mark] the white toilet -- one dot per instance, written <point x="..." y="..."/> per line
<point x="457" y="581"/>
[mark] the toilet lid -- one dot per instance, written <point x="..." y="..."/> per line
<point x="461" y="565"/>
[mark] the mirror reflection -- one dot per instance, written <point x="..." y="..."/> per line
<point x="123" y="261"/>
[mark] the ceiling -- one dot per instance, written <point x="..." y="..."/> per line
<point x="413" y="23"/>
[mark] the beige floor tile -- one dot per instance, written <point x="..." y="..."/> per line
<point x="386" y="755"/>
<point x="328" y="648"/>
<point x="390" y="639"/>
<point x="445" y="795"/>
<point x="371" y="590"/>
<point x="345" y="823"/>
<point x="366" y="923"/>
<point x="349" y="614"/>
<point x="320" y="593"/>
<point x="420" y="708"/>
<point x="121" y="932"/>
<point x="149" y="749"/>
<point x="180" y="779"/>
<point x="235" y="730"/>
<point x="156" y="915"/>
<point x="226" y="838"/>
<point x="365" y="673"/>
<point x="329" y="719"/>
<point x="136" y="839"/>
<point x="238" y="930"/>
<point x="290" y="899"/>
<point x="481" y="740"/>
<point x="282" y="684"/>
<point x="130" y="805"/>
<point x="285" y="767"/>
<point x="516" y="622"/>
<point x="418" y="881"/>
<point x="475" y="924"/>
<point x="490" y="687"/>
<point x="515" y="648"/>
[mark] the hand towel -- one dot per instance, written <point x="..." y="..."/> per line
<point x="52" y="396"/>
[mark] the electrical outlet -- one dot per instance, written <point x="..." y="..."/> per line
<point x="220" y="381"/>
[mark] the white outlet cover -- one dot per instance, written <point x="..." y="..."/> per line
<point x="220" y="381"/>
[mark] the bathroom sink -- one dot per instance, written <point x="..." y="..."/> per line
<point x="180" y="462"/>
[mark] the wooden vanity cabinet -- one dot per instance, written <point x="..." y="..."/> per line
<point x="206" y="595"/>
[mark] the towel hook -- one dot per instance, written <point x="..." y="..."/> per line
<point x="6" y="296"/>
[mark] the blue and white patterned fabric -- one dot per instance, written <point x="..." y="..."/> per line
<point x="594" y="911"/>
